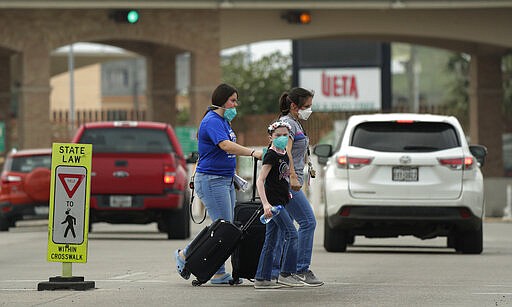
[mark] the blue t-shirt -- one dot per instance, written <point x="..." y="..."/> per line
<point x="213" y="160"/>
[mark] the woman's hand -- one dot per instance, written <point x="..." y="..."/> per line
<point x="294" y="183"/>
<point x="267" y="210"/>
<point x="258" y="154"/>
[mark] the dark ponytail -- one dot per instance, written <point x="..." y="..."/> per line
<point x="284" y="104"/>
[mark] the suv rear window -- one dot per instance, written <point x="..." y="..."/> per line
<point x="405" y="137"/>
<point x="127" y="140"/>
<point x="27" y="164"/>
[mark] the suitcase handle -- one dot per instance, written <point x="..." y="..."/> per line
<point x="253" y="217"/>
<point x="254" y="174"/>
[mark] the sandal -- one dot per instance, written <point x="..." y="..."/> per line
<point x="225" y="279"/>
<point x="180" y="265"/>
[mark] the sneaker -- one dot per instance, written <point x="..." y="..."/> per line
<point x="266" y="284"/>
<point x="226" y="279"/>
<point x="290" y="281"/>
<point x="309" y="279"/>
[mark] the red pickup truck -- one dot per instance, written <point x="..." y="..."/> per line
<point x="139" y="175"/>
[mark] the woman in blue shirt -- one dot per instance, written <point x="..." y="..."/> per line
<point x="213" y="180"/>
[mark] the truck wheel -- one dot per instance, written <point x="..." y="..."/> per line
<point x="161" y="225"/>
<point x="334" y="240"/>
<point x="178" y="223"/>
<point x="470" y="242"/>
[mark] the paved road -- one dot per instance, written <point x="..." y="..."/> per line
<point x="132" y="266"/>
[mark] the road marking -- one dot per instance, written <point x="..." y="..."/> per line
<point x="20" y="280"/>
<point x="492" y="293"/>
<point x="128" y="275"/>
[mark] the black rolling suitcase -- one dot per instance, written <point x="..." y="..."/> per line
<point x="246" y="255"/>
<point x="212" y="247"/>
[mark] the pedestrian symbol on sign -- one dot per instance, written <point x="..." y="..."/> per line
<point x="71" y="220"/>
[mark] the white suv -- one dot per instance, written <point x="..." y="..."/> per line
<point x="403" y="174"/>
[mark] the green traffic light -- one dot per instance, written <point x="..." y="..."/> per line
<point x="132" y="16"/>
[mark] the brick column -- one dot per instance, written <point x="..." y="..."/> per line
<point x="204" y="78"/>
<point x="34" y="128"/>
<point x="162" y="86"/>
<point x="5" y="97"/>
<point x="486" y="115"/>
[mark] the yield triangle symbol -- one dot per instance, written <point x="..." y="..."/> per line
<point x="71" y="182"/>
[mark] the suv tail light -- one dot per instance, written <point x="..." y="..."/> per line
<point x="169" y="175"/>
<point x="457" y="163"/>
<point x="353" y="162"/>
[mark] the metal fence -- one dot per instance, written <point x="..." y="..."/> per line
<point x="250" y="129"/>
<point x="86" y="116"/>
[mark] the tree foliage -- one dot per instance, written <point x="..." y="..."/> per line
<point x="260" y="83"/>
<point x="458" y="104"/>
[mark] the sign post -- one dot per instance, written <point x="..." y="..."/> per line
<point x="68" y="222"/>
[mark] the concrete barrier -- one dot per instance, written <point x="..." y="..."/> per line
<point x="497" y="199"/>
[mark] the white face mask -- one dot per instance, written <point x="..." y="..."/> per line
<point x="304" y="114"/>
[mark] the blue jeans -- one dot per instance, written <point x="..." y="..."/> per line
<point x="302" y="212"/>
<point x="281" y="223"/>
<point x="218" y="195"/>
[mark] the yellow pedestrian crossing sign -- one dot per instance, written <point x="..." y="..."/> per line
<point x="69" y="202"/>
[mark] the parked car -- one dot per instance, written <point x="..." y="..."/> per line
<point x="403" y="174"/>
<point x="25" y="186"/>
<point x="139" y="175"/>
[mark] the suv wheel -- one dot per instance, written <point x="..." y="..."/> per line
<point x="334" y="240"/>
<point x="470" y="242"/>
<point x="4" y="223"/>
<point x="450" y="241"/>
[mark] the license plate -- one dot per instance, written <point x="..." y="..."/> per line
<point x="120" y="201"/>
<point x="405" y="174"/>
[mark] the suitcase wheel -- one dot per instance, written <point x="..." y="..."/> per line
<point x="196" y="283"/>
<point x="185" y="273"/>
